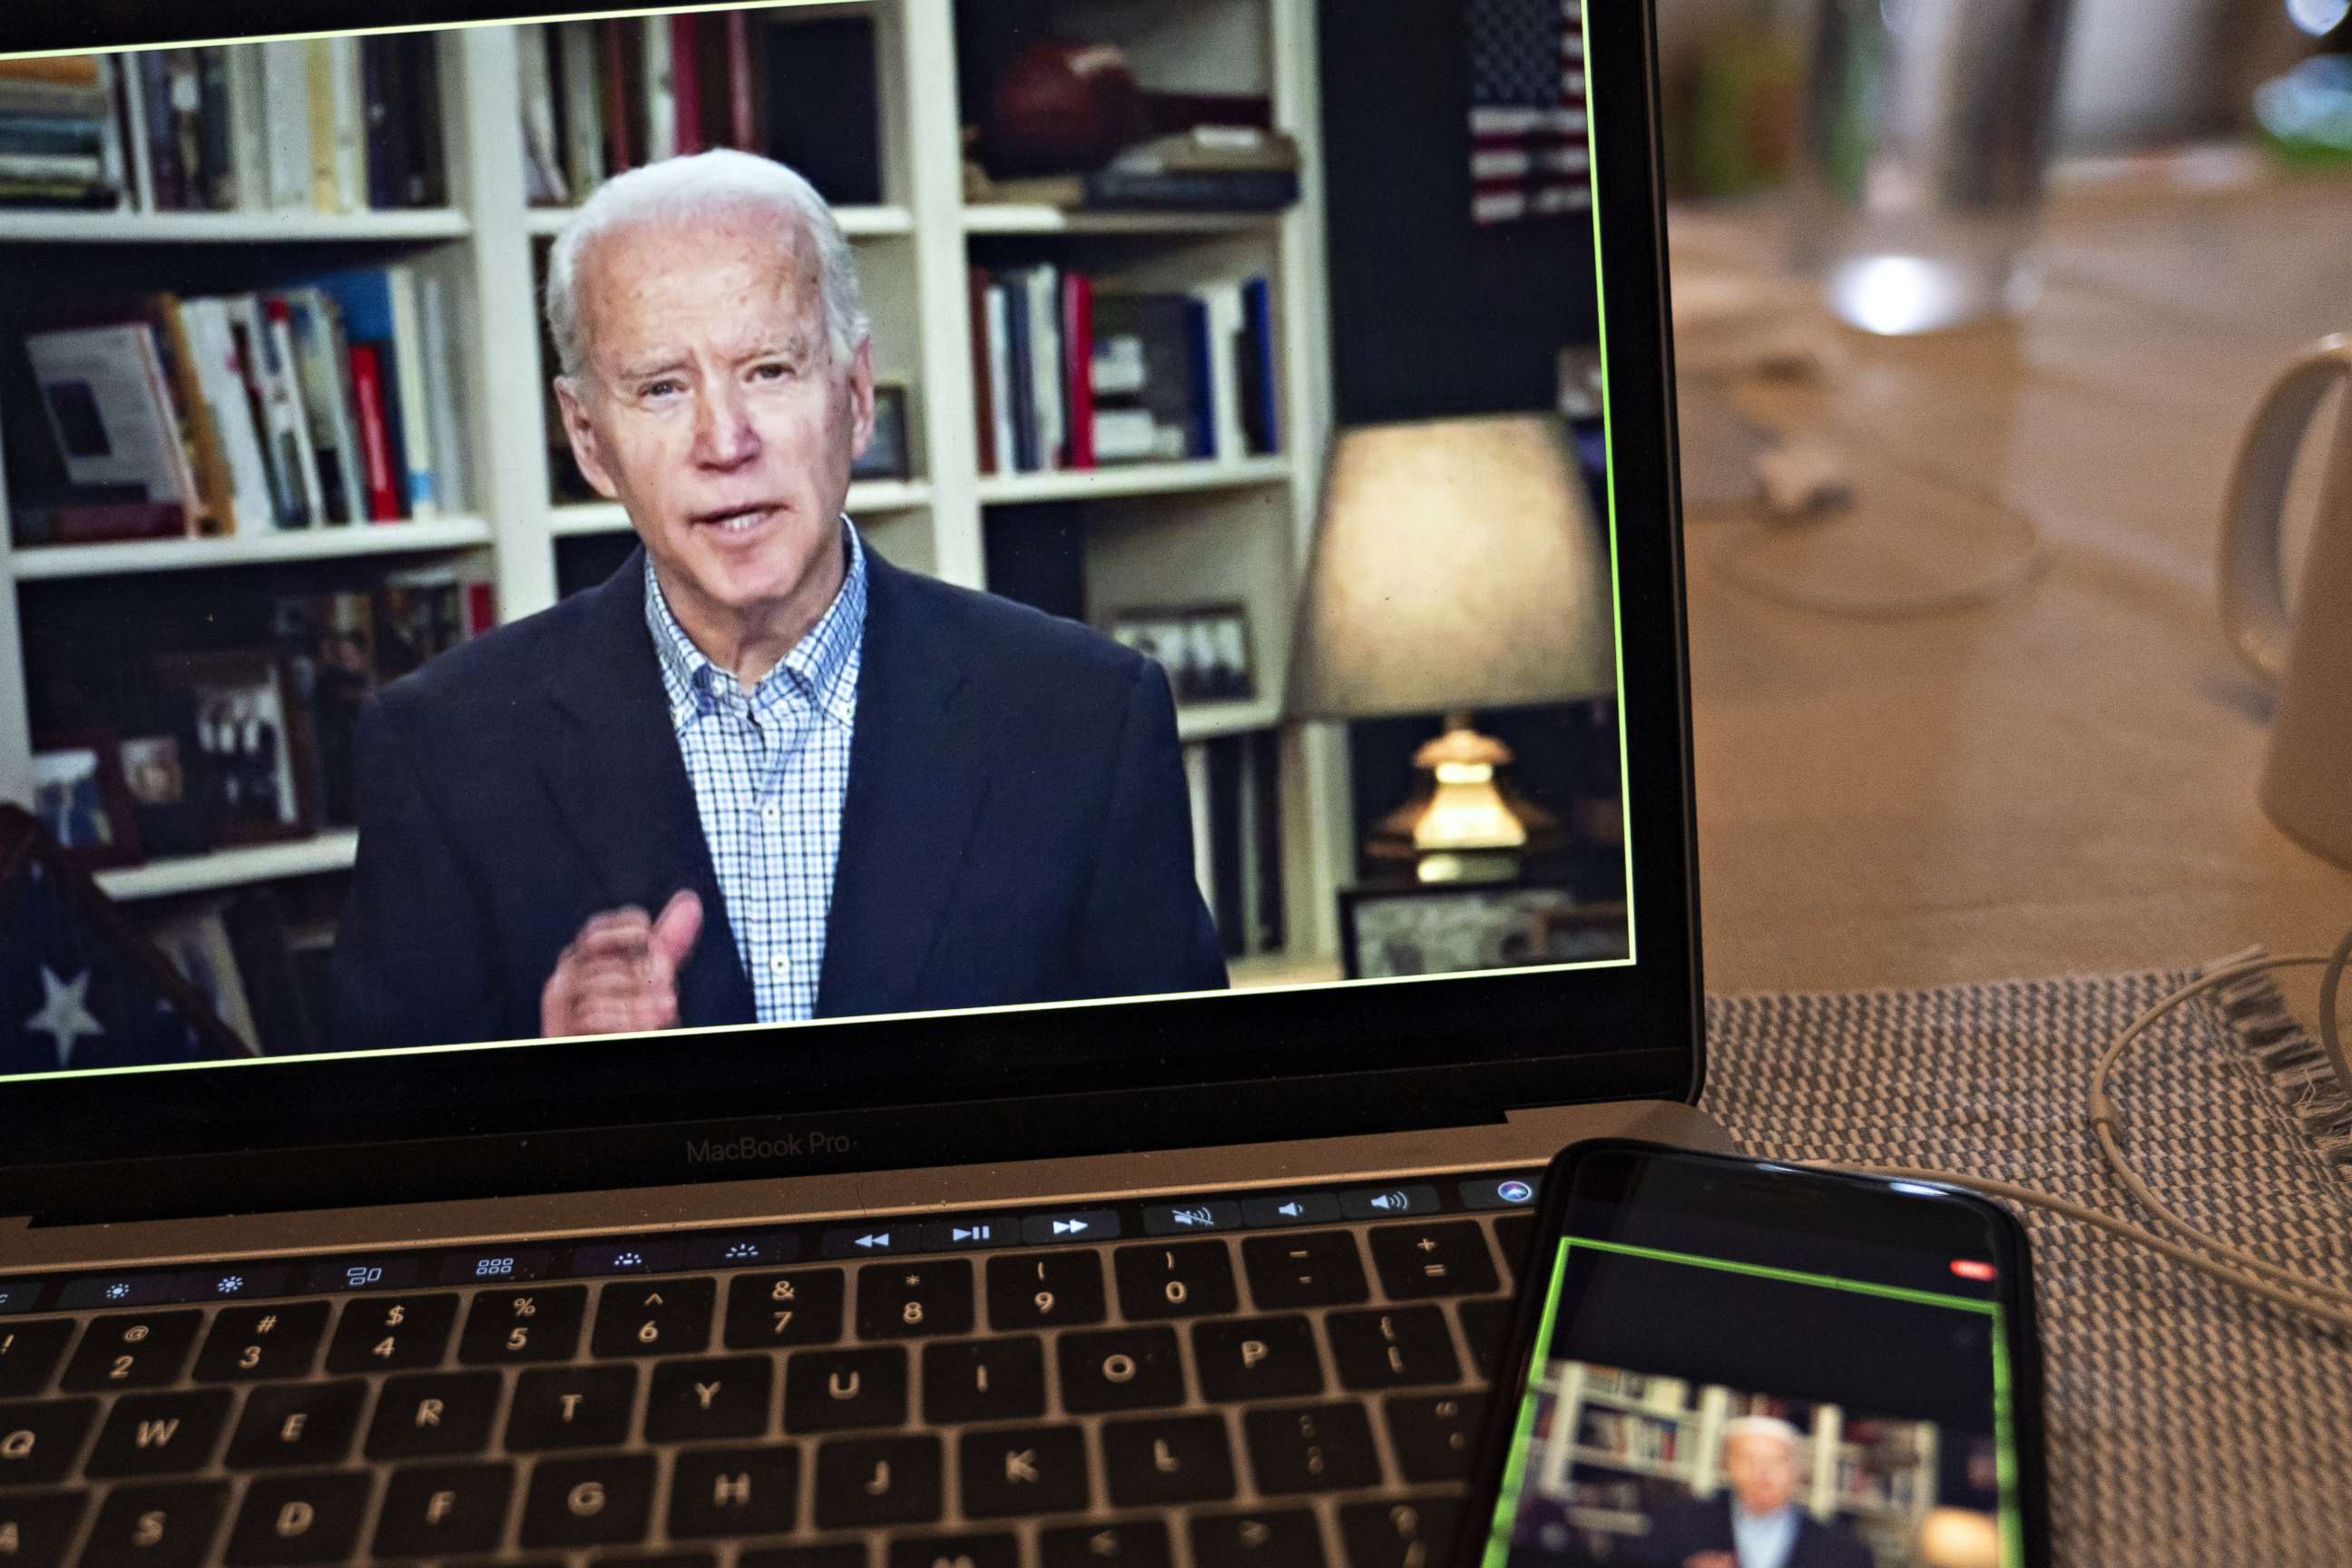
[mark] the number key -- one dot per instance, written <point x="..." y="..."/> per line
<point x="136" y="1350"/>
<point x="262" y="1341"/>
<point x="29" y="1352"/>
<point x="1179" y="1279"/>
<point x="905" y="1300"/>
<point x="1442" y="1258"/>
<point x="525" y="1323"/>
<point x="797" y="1308"/>
<point x="391" y="1333"/>
<point x="1320" y="1270"/>
<point x="1045" y="1290"/>
<point x="660" y="1317"/>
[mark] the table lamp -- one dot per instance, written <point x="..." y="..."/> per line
<point x="1455" y="565"/>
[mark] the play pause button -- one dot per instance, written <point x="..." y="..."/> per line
<point x="991" y="1230"/>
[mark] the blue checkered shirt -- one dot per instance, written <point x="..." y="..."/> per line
<point x="771" y="767"/>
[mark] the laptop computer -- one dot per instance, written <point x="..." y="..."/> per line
<point x="565" y="1190"/>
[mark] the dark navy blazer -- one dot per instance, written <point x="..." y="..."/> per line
<point x="1016" y="827"/>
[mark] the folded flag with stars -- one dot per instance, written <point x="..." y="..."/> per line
<point x="79" y="988"/>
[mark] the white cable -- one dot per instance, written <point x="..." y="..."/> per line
<point x="2327" y="1303"/>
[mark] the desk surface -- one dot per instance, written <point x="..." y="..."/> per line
<point x="2062" y="780"/>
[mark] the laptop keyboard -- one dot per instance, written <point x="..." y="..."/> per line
<point x="1258" y="1381"/>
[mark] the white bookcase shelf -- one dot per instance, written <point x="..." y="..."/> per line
<point x="1164" y="533"/>
<point x="43" y="562"/>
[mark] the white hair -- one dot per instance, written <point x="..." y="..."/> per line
<point x="681" y="190"/>
<point x="1763" y="1427"/>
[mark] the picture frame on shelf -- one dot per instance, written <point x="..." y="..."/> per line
<point x="155" y="776"/>
<point x="1456" y="928"/>
<point x="246" y="743"/>
<point x="1204" y="649"/>
<point x="891" y="455"/>
<point x="80" y="799"/>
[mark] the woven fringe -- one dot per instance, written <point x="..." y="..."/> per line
<point x="2290" y="1066"/>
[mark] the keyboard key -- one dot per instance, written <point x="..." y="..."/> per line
<point x="1281" y="1538"/>
<point x="837" y="1554"/>
<point x="254" y="1342"/>
<point x="1445" y="1258"/>
<point x="1119" y="1369"/>
<point x="1483" y="1325"/>
<point x="917" y="1296"/>
<point x="954" y="1551"/>
<point x="604" y="1499"/>
<point x="163" y="1524"/>
<point x="297" y="1424"/>
<point x="1387" y="1203"/>
<point x="1257" y="1358"/>
<point x="1045" y="1290"/>
<point x="660" y="1560"/>
<point x="1192" y="1219"/>
<point x="299" y="1519"/>
<point x="1016" y="1471"/>
<point x="38" y="1441"/>
<point x="1311" y="1448"/>
<point x="862" y="1481"/>
<point x="1169" y="1459"/>
<point x="1180" y="1280"/>
<point x="734" y="1492"/>
<point x="433" y="1510"/>
<point x="159" y="1433"/>
<point x="40" y="1526"/>
<point x="570" y="1407"/>
<point x="764" y="1310"/>
<point x="659" y="1317"/>
<point x="1121" y="1543"/>
<point x="1513" y="1233"/>
<point x="1415" y="1533"/>
<point x="1435" y="1436"/>
<point x="695" y="1401"/>
<point x="833" y="1391"/>
<point x="983" y="1380"/>
<point x="29" y="1354"/>
<point x="433" y="1414"/>
<point x="525" y="1323"/>
<point x="1316" y="1269"/>
<point x="391" y="1333"/>
<point x="133" y="1350"/>
<point x="1393" y="1347"/>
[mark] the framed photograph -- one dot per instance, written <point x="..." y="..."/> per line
<point x="245" y="750"/>
<point x="157" y="782"/>
<point x="1457" y="928"/>
<point x="1205" y="649"/>
<point x="892" y="454"/>
<point x="79" y="800"/>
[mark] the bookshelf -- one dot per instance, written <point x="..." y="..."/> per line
<point x="1177" y="533"/>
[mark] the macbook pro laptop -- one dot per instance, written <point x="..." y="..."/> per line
<point x="1033" y="1064"/>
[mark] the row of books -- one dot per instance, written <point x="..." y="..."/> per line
<point x="342" y="124"/>
<point x="1237" y="837"/>
<point x="1203" y="168"/>
<point x="1630" y="1439"/>
<point x="600" y="97"/>
<point x="333" y="402"/>
<point x="1073" y="372"/>
<point x="1666" y="1396"/>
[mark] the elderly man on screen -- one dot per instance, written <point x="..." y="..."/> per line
<point x="760" y="775"/>
<point x="1758" y="1522"/>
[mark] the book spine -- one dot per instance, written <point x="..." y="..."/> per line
<point x="537" y="91"/>
<point x="286" y="98"/>
<point x="74" y="168"/>
<point x="615" y="53"/>
<point x="583" y="121"/>
<point x="185" y="82"/>
<point x="375" y="440"/>
<point x="55" y="135"/>
<point x="661" y="91"/>
<point x="1196" y="793"/>
<point x="1262" y="402"/>
<point x="742" y="99"/>
<point x="286" y="387"/>
<point x="176" y="335"/>
<point x="351" y="128"/>
<point x="249" y="126"/>
<point x="159" y="385"/>
<point x="983" y="399"/>
<point x="438" y="322"/>
<point x="1024" y="379"/>
<point x="248" y="332"/>
<point x="319" y="66"/>
<point x="221" y="376"/>
<point x="319" y="375"/>
<point x="163" y="146"/>
<point x="426" y="158"/>
<point x="1003" y="414"/>
<point x="686" y="84"/>
<point x="1078" y="364"/>
<point x="379" y="67"/>
<point x="414" y="431"/>
<point x="1201" y="354"/>
<point x="216" y="130"/>
<point x="1223" y="302"/>
<point x="130" y="118"/>
<point x="1046" y="365"/>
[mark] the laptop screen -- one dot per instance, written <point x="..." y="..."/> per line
<point x="591" y="539"/>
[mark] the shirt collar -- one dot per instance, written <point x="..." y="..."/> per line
<point x="821" y="667"/>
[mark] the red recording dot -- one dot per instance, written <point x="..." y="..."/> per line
<point x="1969" y="1268"/>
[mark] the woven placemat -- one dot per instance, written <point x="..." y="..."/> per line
<point x="2187" y="1424"/>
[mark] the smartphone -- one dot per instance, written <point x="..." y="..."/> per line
<point x="1724" y="1362"/>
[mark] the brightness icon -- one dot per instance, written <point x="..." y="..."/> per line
<point x="231" y="1284"/>
<point x="116" y="1292"/>
<point x="629" y="1260"/>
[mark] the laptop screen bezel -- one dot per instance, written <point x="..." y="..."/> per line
<point x="932" y="1088"/>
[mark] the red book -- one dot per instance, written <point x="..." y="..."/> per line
<point x="686" y="84"/>
<point x="375" y="435"/>
<point x="1078" y="364"/>
<point x="481" y="608"/>
<point x="739" y="81"/>
<point x="983" y="390"/>
<point x="618" y="98"/>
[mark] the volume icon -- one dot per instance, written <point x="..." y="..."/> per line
<point x="1390" y="1200"/>
<point x="1200" y="1216"/>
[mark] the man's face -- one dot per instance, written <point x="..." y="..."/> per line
<point x="711" y="407"/>
<point x="1762" y="1471"/>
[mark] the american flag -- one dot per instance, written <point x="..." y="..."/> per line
<point x="1529" y="150"/>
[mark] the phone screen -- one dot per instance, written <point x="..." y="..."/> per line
<point x="1732" y="1365"/>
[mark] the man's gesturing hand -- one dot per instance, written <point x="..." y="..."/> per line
<point x="619" y="977"/>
